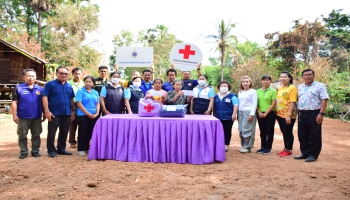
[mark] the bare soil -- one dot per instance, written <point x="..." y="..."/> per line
<point x="242" y="176"/>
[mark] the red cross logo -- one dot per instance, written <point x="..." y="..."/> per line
<point x="148" y="107"/>
<point x="187" y="51"/>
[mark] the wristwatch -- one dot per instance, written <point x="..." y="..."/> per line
<point x="322" y="113"/>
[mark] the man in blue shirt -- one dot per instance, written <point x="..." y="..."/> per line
<point x="58" y="101"/>
<point x="27" y="112"/>
<point x="171" y="75"/>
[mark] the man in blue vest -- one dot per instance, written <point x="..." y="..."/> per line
<point x="59" y="107"/>
<point x="27" y="112"/>
<point x="188" y="83"/>
<point x="147" y="81"/>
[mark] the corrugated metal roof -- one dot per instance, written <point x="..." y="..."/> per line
<point x="24" y="52"/>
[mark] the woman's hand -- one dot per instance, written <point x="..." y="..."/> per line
<point x="234" y="117"/>
<point x="191" y="111"/>
<point x="106" y="112"/>
<point x="288" y="120"/>
<point x="207" y="112"/>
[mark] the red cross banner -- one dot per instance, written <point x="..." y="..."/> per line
<point x="186" y="56"/>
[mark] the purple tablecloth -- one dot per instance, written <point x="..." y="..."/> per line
<point x="195" y="139"/>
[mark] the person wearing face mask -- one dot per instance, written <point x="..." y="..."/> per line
<point x="203" y="97"/>
<point x="225" y="109"/>
<point x="248" y="101"/>
<point x="132" y="96"/>
<point x="127" y="84"/>
<point x="111" y="96"/>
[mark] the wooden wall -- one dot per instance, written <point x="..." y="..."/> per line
<point x="12" y="65"/>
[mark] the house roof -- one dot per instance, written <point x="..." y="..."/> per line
<point x="24" y="52"/>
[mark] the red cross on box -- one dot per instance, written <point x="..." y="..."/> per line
<point x="149" y="107"/>
<point x="187" y="51"/>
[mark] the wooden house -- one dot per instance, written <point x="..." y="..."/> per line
<point x="12" y="63"/>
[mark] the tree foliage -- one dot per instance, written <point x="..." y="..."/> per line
<point x="59" y="27"/>
<point x="302" y="44"/>
<point x="224" y="42"/>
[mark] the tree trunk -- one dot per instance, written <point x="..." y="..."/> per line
<point x="39" y="29"/>
<point x="223" y="53"/>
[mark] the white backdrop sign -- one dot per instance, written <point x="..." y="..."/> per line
<point x="186" y="56"/>
<point x="134" y="56"/>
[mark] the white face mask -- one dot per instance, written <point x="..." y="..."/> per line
<point x="115" y="80"/>
<point x="136" y="84"/>
<point x="223" y="89"/>
<point x="202" y="82"/>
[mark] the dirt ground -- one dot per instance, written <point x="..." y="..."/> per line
<point x="242" y="176"/>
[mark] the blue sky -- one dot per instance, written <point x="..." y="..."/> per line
<point x="189" y="19"/>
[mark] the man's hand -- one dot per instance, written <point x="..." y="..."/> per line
<point x="49" y="115"/>
<point x="15" y="118"/>
<point x="319" y="119"/>
<point x="72" y="116"/>
<point x="199" y="66"/>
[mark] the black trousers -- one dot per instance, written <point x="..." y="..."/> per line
<point x="86" y="126"/>
<point x="309" y="133"/>
<point x="267" y="130"/>
<point x="72" y="130"/>
<point x="287" y="131"/>
<point x="62" y="122"/>
<point x="227" y="125"/>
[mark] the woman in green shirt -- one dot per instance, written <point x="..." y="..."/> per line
<point x="266" y="114"/>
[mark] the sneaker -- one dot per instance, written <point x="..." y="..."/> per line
<point x="260" y="150"/>
<point x="244" y="150"/>
<point x="87" y="152"/>
<point x="81" y="153"/>
<point x="267" y="151"/>
<point x="286" y="154"/>
<point x="280" y="152"/>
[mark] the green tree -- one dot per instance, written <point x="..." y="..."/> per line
<point x="224" y="41"/>
<point x="338" y="25"/>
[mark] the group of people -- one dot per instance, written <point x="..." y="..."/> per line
<point x="77" y="104"/>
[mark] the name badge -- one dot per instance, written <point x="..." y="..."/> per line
<point x="228" y="100"/>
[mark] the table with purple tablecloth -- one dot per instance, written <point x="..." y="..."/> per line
<point x="194" y="139"/>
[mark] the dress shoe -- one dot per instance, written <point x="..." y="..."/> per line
<point x="23" y="156"/>
<point x="36" y="154"/>
<point x="52" y="155"/>
<point x="310" y="159"/>
<point x="64" y="152"/>
<point x="300" y="157"/>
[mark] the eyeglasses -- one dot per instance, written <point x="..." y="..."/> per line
<point x="63" y="74"/>
<point x="307" y="74"/>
